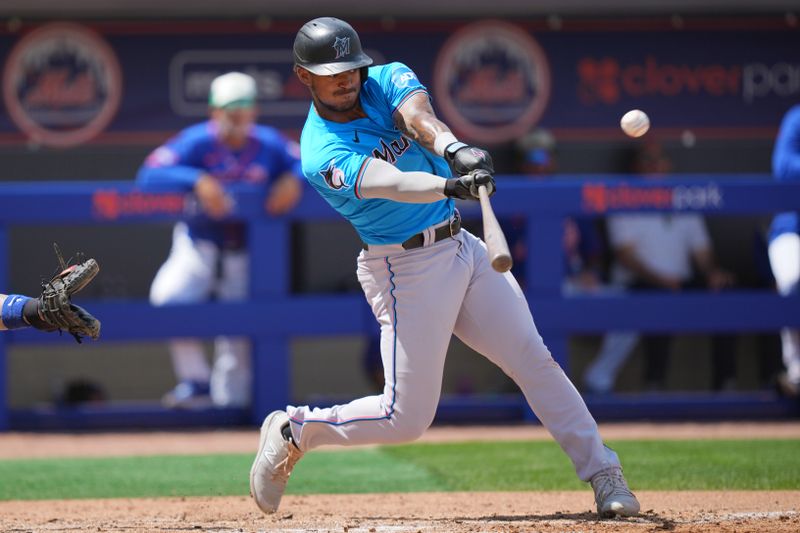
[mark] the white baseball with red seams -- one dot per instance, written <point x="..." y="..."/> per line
<point x="635" y="123"/>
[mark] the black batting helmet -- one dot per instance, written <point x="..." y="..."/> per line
<point x="327" y="46"/>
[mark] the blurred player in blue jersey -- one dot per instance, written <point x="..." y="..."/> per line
<point x="208" y="257"/>
<point x="373" y="147"/>
<point x="784" y="244"/>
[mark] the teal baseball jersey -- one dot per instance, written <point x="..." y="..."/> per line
<point x="335" y="156"/>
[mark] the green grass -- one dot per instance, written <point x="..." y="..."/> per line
<point x="500" y="466"/>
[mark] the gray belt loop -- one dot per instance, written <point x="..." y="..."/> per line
<point x="428" y="236"/>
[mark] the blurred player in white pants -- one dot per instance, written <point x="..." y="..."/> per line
<point x="209" y="257"/>
<point x="784" y="244"/>
<point x="194" y="271"/>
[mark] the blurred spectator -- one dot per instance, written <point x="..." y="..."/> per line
<point x="784" y="245"/>
<point x="662" y="252"/>
<point x="584" y="250"/>
<point x="209" y="253"/>
<point x="536" y="153"/>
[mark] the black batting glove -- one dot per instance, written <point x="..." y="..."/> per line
<point x="466" y="187"/>
<point x="463" y="159"/>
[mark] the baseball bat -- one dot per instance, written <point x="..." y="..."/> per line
<point x="496" y="244"/>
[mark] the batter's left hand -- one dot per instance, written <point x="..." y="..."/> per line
<point x="463" y="159"/>
<point x="466" y="187"/>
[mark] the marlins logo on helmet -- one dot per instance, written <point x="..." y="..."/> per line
<point x="342" y="46"/>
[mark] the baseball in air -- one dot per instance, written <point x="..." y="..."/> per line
<point x="635" y="123"/>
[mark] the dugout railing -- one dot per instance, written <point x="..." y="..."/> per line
<point x="273" y="316"/>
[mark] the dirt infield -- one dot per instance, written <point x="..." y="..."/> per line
<point x="394" y="513"/>
<point x="736" y="511"/>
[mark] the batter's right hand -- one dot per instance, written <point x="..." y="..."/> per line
<point x="464" y="159"/>
<point x="466" y="187"/>
<point x="212" y="196"/>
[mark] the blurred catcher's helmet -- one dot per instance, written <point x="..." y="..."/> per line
<point x="327" y="46"/>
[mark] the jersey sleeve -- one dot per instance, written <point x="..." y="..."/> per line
<point x="399" y="83"/>
<point x="786" y="155"/>
<point x="171" y="165"/>
<point x="337" y="171"/>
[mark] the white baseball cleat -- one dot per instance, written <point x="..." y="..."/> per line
<point x="612" y="494"/>
<point x="273" y="464"/>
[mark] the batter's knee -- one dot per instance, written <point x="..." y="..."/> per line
<point x="530" y="354"/>
<point x="537" y="349"/>
<point x="410" y="426"/>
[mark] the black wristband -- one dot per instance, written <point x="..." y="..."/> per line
<point x="455" y="188"/>
<point x="30" y="312"/>
<point x="451" y="149"/>
<point x="450" y="187"/>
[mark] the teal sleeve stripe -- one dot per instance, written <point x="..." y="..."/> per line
<point x="360" y="176"/>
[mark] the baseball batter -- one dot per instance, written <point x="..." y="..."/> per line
<point x="208" y="257"/>
<point x="374" y="149"/>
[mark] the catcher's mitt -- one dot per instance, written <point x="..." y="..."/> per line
<point x="56" y="310"/>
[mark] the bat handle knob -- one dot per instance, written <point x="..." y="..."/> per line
<point x="502" y="263"/>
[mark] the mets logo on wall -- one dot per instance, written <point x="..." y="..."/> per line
<point x="492" y="81"/>
<point x="61" y="84"/>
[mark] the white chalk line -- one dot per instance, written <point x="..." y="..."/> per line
<point x="574" y="525"/>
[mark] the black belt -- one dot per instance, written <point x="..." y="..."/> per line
<point x="442" y="232"/>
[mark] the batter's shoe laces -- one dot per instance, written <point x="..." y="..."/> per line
<point x="274" y="463"/>
<point x="612" y="494"/>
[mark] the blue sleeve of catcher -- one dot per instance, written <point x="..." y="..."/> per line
<point x="12" y="311"/>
